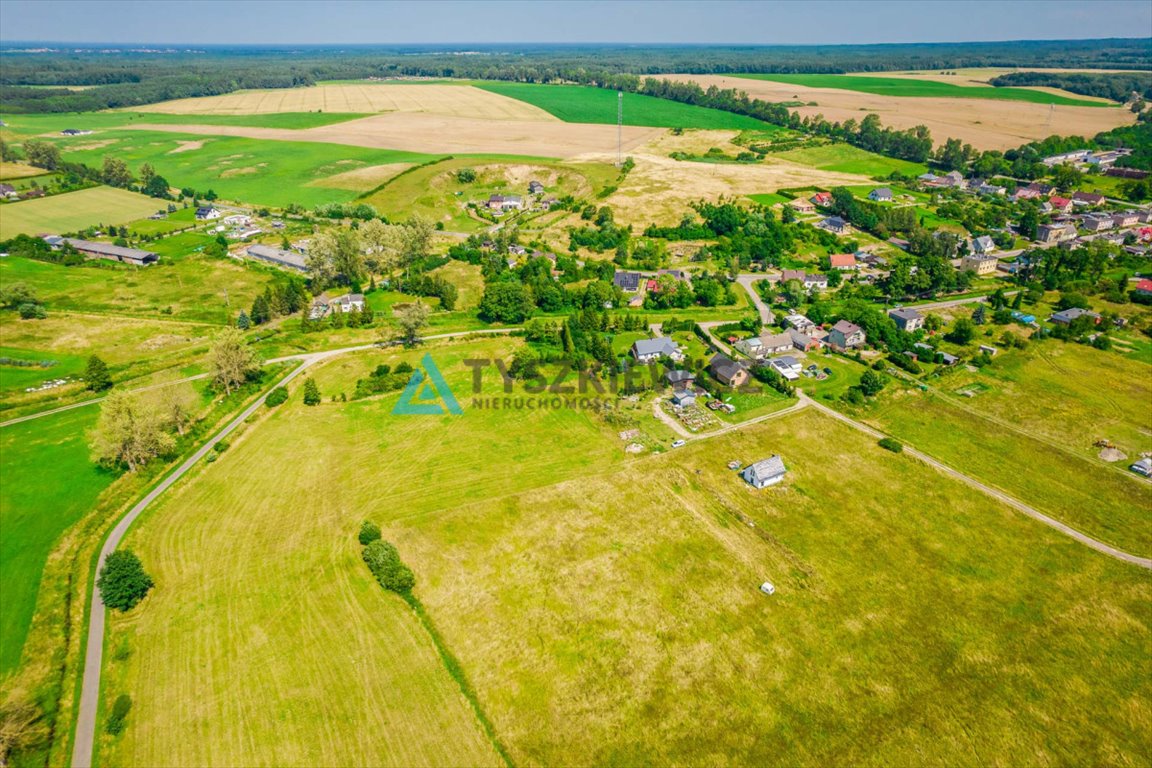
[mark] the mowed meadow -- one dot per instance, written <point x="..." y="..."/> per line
<point x="605" y="608"/>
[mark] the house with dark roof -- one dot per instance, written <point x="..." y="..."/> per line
<point x="762" y="474"/>
<point x="277" y="256"/>
<point x="627" y="281"/>
<point x="1087" y="198"/>
<point x="1066" y="316"/>
<point x="535" y="187"/>
<point x="727" y="371"/>
<point x="907" y="319"/>
<point x="845" y="335"/>
<point x="649" y="350"/>
<point x="1097" y="222"/>
<point x="207" y="213"/>
<point x="834" y="224"/>
<point x="680" y="379"/>
<point x="110" y="252"/>
<point x="881" y="195"/>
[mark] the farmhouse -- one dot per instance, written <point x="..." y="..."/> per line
<point x="834" y="224"/>
<point x="112" y="252"/>
<point x="802" y="206"/>
<point x="278" y="256"/>
<point x="647" y="350"/>
<point x="1066" y="316"/>
<point x="845" y="335"/>
<point x="502" y="203"/>
<point x="349" y="302"/>
<point x="7" y="190"/>
<point x="980" y="263"/>
<point x="627" y="281"/>
<point x="881" y="195"/>
<point x="822" y="198"/>
<point x="842" y="261"/>
<point x="207" y="213"/>
<point x="809" y="281"/>
<point x="727" y="371"/>
<point x="764" y="473"/>
<point x="907" y="319"/>
<point x="535" y="188"/>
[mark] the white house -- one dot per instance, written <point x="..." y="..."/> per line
<point x="207" y="213"/>
<point x="764" y="473"/>
<point x="881" y="195"/>
<point x="348" y="303"/>
<point x="788" y="366"/>
<point x="761" y="346"/>
<point x="799" y="322"/>
<point x="647" y="350"/>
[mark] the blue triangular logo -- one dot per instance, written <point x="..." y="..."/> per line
<point x="427" y="394"/>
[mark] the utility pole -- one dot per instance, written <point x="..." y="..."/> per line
<point x="619" y="129"/>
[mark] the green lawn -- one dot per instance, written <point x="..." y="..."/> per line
<point x="14" y="378"/>
<point x="585" y="104"/>
<point x="183" y="285"/>
<point x="257" y="171"/>
<point x="898" y="86"/>
<point x="25" y="126"/>
<point x="848" y="159"/>
<point x="73" y="211"/>
<point x="49" y="482"/>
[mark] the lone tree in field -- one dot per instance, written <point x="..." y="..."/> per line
<point x="242" y="321"/>
<point x="311" y="392"/>
<point x="96" y="375"/>
<point x="231" y="360"/>
<point x="122" y="581"/>
<point x="411" y="320"/>
<point x="130" y="432"/>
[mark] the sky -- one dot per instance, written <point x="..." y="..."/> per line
<point x="765" y="22"/>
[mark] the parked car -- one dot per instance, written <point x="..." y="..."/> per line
<point x="679" y="444"/>
<point x="768" y="588"/>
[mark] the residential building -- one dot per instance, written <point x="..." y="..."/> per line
<point x="349" y="302"/>
<point x="834" y="224"/>
<point x="764" y="473"/>
<point x="535" y="188"/>
<point x="207" y="213"/>
<point x="1144" y="288"/>
<point x="845" y="335"/>
<point x="1125" y="219"/>
<point x="1078" y="156"/>
<point x="1055" y="233"/>
<point x="881" y="195"/>
<point x="802" y="341"/>
<point x="842" y="261"/>
<point x="907" y="319"/>
<point x="727" y="371"/>
<point x="111" y="252"/>
<point x="822" y="198"/>
<point x="763" y="345"/>
<point x="1061" y="204"/>
<point x="980" y="263"/>
<point x="680" y="379"/>
<point x="628" y="282"/>
<point x="1066" y="316"/>
<point x="983" y="244"/>
<point x="278" y="256"/>
<point x="799" y="322"/>
<point x="649" y="350"/>
<point x="1097" y="222"/>
<point x="684" y="397"/>
<point x="1090" y="199"/>
<point x="502" y="203"/>
<point x="788" y="367"/>
<point x="802" y="206"/>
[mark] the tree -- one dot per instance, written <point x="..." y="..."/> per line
<point x="962" y="331"/>
<point x="231" y="360"/>
<point x="119" y="714"/>
<point x="8" y="154"/>
<point x="116" y="173"/>
<point x="506" y="302"/>
<point x="18" y="719"/>
<point x="243" y="322"/>
<point x="1066" y="176"/>
<point x="871" y="383"/>
<point x="129" y="432"/>
<point x="42" y="154"/>
<point x="96" y="376"/>
<point x="415" y="240"/>
<point x="410" y="320"/>
<point x="466" y="175"/>
<point x="17" y="294"/>
<point x="277" y="396"/>
<point x="311" y="392"/>
<point x="147" y="173"/>
<point x="369" y="532"/>
<point x="891" y="444"/>
<point x="122" y="581"/>
<point x="157" y="186"/>
<point x="175" y="404"/>
<point x="1029" y="220"/>
<point x="261" y="312"/>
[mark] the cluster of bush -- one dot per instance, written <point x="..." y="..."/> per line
<point x="383" y="379"/>
<point x="27" y="363"/>
<point x="383" y="560"/>
<point x="430" y="285"/>
<point x="361" y="211"/>
<point x="23" y="299"/>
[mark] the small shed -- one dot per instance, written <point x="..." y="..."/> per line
<point x="765" y="473"/>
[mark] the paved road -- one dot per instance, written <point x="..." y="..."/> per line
<point x="94" y="651"/>
<point x="747" y="281"/>
<point x="95" y="400"/>
<point x="1099" y="546"/>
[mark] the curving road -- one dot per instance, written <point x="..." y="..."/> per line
<point x="94" y="651"/>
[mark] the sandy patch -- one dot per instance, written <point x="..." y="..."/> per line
<point x="361" y="179"/>
<point x="453" y="100"/>
<point x="693" y="142"/>
<point x="442" y="134"/>
<point x="100" y="144"/>
<point x="984" y="123"/>
<point x="162" y="341"/>
<point x="659" y="190"/>
<point x="246" y="171"/>
<point x="187" y="146"/>
<point x="1112" y="454"/>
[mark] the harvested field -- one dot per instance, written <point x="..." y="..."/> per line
<point x="362" y="179"/>
<point x="454" y="100"/>
<point x="439" y="134"/>
<point x="659" y="189"/>
<point x="19" y="171"/>
<point x="985" y="124"/>
<point x="73" y="211"/>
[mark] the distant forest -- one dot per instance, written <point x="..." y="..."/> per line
<point x="1117" y="86"/>
<point x="126" y="78"/>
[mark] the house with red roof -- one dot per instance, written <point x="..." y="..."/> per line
<point x="842" y="261"/>
<point x="1061" y="204"/>
<point x="822" y="198"/>
<point x="1144" y="287"/>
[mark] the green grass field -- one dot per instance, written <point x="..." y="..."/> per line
<point x="73" y="211"/>
<point x="585" y="104"/>
<point x="26" y="126"/>
<point x="259" y="171"/>
<point x="848" y="159"/>
<point x="605" y="608"/>
<point x="184" y="286"/>
<point x="911" y="87"/>
<point x="49" y="482"/>
<point x="14" y="378"/>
